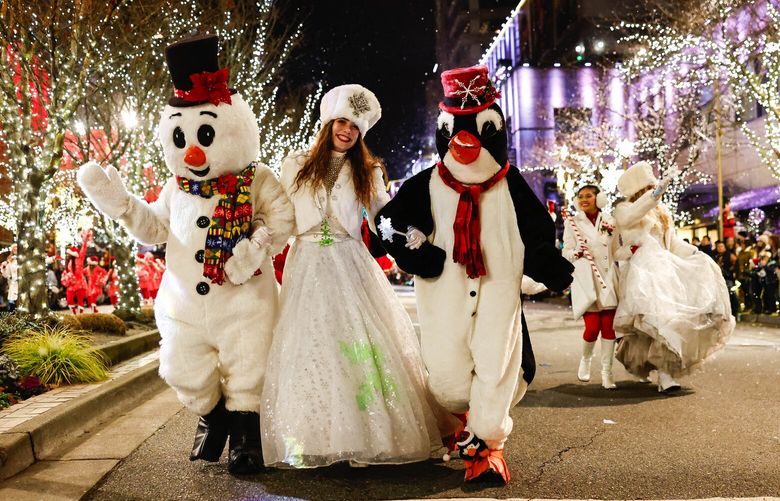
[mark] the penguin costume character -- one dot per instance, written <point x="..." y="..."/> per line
<point x="223" y="216"/>
<point x="473" y="227"/>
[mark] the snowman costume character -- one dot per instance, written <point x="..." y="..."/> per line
<point x="474" y="227"/>
<point x="674" y="310"/>
<point x="215" y="309"/>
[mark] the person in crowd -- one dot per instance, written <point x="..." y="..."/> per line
<point x="743" y="270"/>
<point x="73" y="277"/>
<point x="53" y="285"/>
<point x="727" y="261"/>
<point x="364" y="399"/>
<point x="706" y="246"/>
<point x="757" y="274"/>
<point x="10" y="270"/>
<point x="695" y="242"/>
<point x="765" y="272"/>
<point x="729" y="221"/>
<point x="587" y="243"/>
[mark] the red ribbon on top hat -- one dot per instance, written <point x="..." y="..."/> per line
<point x="207" y="86"/>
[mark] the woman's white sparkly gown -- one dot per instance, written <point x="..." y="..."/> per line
<point x="345" y="380"/>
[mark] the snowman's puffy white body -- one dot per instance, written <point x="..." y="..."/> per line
<point x="214" y="337"/>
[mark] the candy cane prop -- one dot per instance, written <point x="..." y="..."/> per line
<point x="581" y="243"/>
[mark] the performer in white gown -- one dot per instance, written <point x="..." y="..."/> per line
<point x="674" y="309"/>
<point x="345" y="381"/>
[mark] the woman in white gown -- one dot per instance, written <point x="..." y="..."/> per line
<point x="345" y="380"/>
<point x="674" y="309"/>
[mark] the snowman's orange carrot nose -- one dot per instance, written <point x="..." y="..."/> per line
<point x="194" y="156"/>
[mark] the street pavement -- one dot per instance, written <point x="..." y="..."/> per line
<point x="719" y="437"/>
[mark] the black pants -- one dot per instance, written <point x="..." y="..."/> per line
<point x="770" y="298"/>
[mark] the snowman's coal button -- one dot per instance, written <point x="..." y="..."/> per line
<point x="202" y="288"/>
<point x="202" y="222"/>
<point x="473" y="293"/>
<point x="199" y="256"/>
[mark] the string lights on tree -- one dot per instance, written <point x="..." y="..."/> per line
<point x="85" y="84"/>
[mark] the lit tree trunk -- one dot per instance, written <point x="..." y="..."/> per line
<point x="123" y="249"/>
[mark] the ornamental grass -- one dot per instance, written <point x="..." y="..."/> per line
<point x="56" y="355"/>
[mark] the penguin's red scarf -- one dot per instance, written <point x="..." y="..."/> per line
<point x="467" y="249"/>
<point x="232" y="218"/>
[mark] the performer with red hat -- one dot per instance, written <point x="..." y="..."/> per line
<point x="96" y="278"/>
<point x="73" y="278"/>
<point x="469" y="228"/>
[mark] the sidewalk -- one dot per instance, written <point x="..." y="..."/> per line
<point x="35" y="428"/>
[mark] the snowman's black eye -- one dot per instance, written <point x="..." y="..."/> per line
<point x="206" y="135"/>
<point x="178" y="138"/>
<point x="488" y="130"/>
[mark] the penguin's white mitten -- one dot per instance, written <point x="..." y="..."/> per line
<point x="246" y="259"/>
<point x="104" y="188"/>
<point x="414" y="238"/>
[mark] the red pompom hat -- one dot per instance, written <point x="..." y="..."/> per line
<point x="467" y="90"/>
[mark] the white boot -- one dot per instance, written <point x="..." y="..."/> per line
<point x="607" y="355"/>
<point x="666" y="384"/>
<point x="583" y="373"/>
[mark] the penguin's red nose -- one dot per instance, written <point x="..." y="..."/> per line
<point x="465" y="147"/>
<point x="194" y="156"/>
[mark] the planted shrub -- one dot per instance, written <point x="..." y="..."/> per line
<point x="56" y="355"/>
<point x="14" y="323"/>
<point x="98" y="322"/>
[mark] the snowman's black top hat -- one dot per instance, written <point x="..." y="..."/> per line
<point x="197" y="77"/>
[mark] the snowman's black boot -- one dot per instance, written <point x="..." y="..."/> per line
<point x="246" y="453"/>
<point x="211" y="434"/>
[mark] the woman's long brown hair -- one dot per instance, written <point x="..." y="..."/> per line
<point x="360" y="157"/>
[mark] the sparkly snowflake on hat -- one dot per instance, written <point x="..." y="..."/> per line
<point x="472" y="90"/>
<point x="359" y="104"/>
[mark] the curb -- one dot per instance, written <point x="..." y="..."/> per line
<point x="128" y="347"/>
<point x="41" y="436"/>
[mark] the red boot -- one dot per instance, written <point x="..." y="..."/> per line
<point x="483" y="464"/>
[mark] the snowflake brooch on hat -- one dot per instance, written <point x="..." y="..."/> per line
<point x="359" y="104"/>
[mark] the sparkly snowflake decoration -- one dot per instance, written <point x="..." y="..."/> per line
<point x="472" y="90"/>
<point x="359" y="104"/>
<point x="386" y="228"/>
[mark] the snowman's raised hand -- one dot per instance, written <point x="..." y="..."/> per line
<point x="104" y="188"/>
<point x="246" y="259"/>
<point x="414" y="238"/>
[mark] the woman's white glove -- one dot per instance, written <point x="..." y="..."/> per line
<point x="663" y="184"/>
<point x="104" y="188"/>
<point x="414" y="238"/>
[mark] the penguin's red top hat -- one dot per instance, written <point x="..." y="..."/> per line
<point x="467" y="90"/>
<point x="197" y="77"/>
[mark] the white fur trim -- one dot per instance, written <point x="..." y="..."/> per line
<point x="635" y="178"/>
<point x="353" y="102"/>
<point x="601" y="200"/>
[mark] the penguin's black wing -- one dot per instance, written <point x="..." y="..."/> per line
<point x="411" y="206"/>
<point x="543" y="260"/>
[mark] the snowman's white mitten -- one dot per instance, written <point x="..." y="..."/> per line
<point x="246" y="259"/>
<point x="104" y="188"/>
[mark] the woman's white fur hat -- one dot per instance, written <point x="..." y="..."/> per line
<point x="635" y="178"/>
<point x="353" y="102"/>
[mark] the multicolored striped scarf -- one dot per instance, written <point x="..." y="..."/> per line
<point x="467" y="249"/>
<point x="232" y="218"/>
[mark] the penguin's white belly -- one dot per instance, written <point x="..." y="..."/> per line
<point x="488" y="302"/>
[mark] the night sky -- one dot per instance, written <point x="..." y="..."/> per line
<point x="386" y="46"/>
